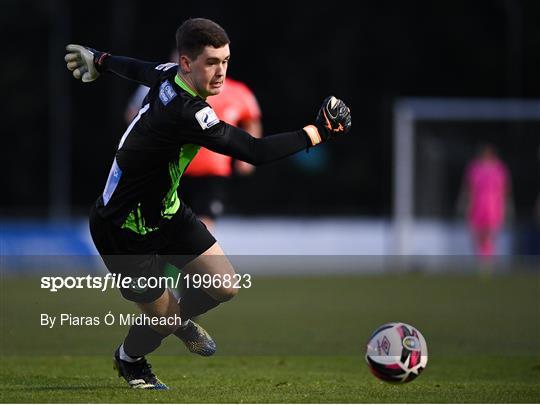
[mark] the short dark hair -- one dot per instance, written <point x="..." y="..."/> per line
<point x="196" y="33"/>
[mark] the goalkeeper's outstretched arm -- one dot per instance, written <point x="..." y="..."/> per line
<point x="333" y="120"/>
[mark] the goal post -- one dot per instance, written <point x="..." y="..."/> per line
<point x="407" y="112"/>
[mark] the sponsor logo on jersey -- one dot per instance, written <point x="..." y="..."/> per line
<point x="166" y="92"/>
<point x="206" y="117"/>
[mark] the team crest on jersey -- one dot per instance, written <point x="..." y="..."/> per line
<point x="166" y="92"/>
<point x="206" y="117"/>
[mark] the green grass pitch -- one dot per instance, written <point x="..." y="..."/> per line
<point x="294" y="339"/>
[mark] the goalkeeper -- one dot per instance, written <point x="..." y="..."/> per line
<point x="139" y="224"/>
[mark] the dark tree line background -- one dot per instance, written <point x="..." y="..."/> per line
<point x="292" y="54"/>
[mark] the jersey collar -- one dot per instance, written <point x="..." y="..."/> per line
<point x="184" y="86"/>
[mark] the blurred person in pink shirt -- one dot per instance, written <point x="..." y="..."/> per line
<point x="487" y="189"/>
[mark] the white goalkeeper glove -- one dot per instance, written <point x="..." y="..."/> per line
<point x="81" y="61"/>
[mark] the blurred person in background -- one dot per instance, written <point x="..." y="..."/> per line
<point x="486" y="194"/>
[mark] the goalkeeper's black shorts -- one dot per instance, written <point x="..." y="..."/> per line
<point x="144" y="257"/>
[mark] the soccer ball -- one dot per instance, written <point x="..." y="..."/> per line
<point x="396" y="352"/>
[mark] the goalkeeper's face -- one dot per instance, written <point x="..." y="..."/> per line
<point x="209" y="69"/>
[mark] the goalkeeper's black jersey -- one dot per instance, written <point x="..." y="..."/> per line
<point x="158" y="145"/>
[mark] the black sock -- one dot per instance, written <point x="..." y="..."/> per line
<point x="141" y="340"/>
<point x="196" y="302"/>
